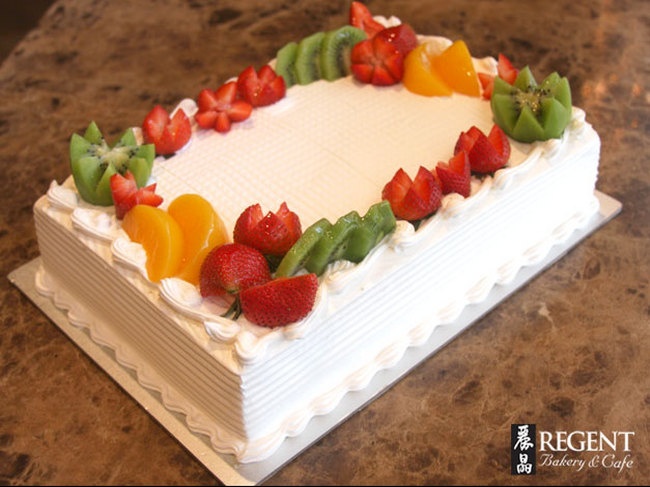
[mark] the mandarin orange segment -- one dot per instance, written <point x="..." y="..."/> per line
<point x="202" y="230"/>
<point x="455" y="67"/>
<point x="419" y="76"/>
<point x="159" y="235"/>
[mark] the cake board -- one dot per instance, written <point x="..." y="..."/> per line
<point x="224" y="467"/>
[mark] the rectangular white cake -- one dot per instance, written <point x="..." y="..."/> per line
<point x="327" y="148"/>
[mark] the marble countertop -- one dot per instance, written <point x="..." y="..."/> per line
<point x="568" y="352"/>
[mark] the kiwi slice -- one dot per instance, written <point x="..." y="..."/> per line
<point x="335" y="51"/>
<point x="298" y="254"/>
<point x="285" y="60"/>
<point x="307" y="63"/>
<point x="378" y="221"/>
<point x="333" y="244"/>
<point x="527" y="111"/>
<point x="93" y="161"/>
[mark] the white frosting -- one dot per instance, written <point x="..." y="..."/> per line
<point x="326" y="149"/>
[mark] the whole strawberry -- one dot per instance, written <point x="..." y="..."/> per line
<point x="231" y="268"/>
<point x="279" y="302"/>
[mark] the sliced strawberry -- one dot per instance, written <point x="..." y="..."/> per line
<point x="455" y="175"/>
<point x="402" y="36"/>
<point x="486" y="153"/>
<point x="260" y="88"/>
<point x="361" y="17"/>
<point x="231" y="268"/>
<point x="414" y="199"/>
<point x="377" y="61"/>
<point x="168" y="134"/>
<point x="219" y="109"/>
<point x="505" y="70"/>
<point x="126" y="194"/>
<point x="281" y="301"/>
<point x="487" y="85"/>
<point x="272" y="234"/>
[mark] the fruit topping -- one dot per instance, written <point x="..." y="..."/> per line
<point x="219" y="109"/>
<point x="298" y="254"/>
<point x="402" y="36"/>
<point x="307" y="62"/>
<point x="332" y="244"/>
<point x="272" y="234"/>
<point x="160" y="236"/>
<point x="377" y="61"/>
<point x="413" y="199"/>
<point x="455" y="67"/>
<point x="350" y="238"/>
<point x="360" y="16"/>
<point x="231" y="268"/>
<point x="378" y="222"/>
<point x="260" y="88"/>
<point x="528" y="111"/>
<point x="335" y="51"/>
<point x="419" y="74"/>
<point x="285" y="61"/>
<point x="93" y="161"/>
<point x="126" y="194"/>
<point x="455" y="175"/>
<point x="168" y="134"/>
<point x="505" y="70"/>
<point x="279" y="302"/>
<point x="486" y="153"/>
<point x="203" y="230"/>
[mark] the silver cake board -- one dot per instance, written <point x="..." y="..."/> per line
<point x="223" y="466"/>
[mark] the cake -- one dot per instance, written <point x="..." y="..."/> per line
<point x="326" y="148"/>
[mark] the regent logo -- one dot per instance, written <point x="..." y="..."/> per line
<point x="578" y="449"/>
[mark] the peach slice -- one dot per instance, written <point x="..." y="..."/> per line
<point x="160" y="236"/>
<point x="455" y="67"/>
<point x="202" y="230"/>
<point x="419" y="76"/>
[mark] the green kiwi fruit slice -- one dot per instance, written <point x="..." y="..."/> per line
<point x="333" y="244"/>
<point x="378" y="221"/>
<point x="527" y="111"/>
<point x="335" y="51"/>
<point x="298" y="254"/>
<point x="307" y="63"/>
<point x="93" y="161"/>
<point x="285" y="61"/>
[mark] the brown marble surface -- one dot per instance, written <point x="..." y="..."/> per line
<point x="568" y="352"/>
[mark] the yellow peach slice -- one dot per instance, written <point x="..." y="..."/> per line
<point x="159" y="235"/>
<point x="202" y="230"/>
<point x="455" y="67"/>
<point x="419" y="76"/>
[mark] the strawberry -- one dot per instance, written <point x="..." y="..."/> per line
<point x="377" y="61"/>
<point x="126" y="194"/>
<point x="168" y="134"/>
<point x="505" y="70"/>
<point x="414" y="199"/>
<point x="231" y="268"/>
<point x="260" y="88"/>
<point x="361" y="17"/>
<point x="279" y="302"/>
<point x="402" y="36"/>
<point x="271" y="234"/>
<point x="455" y="175"/>
<point x="218" y="109"/>
<point x="486" y="153"/>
